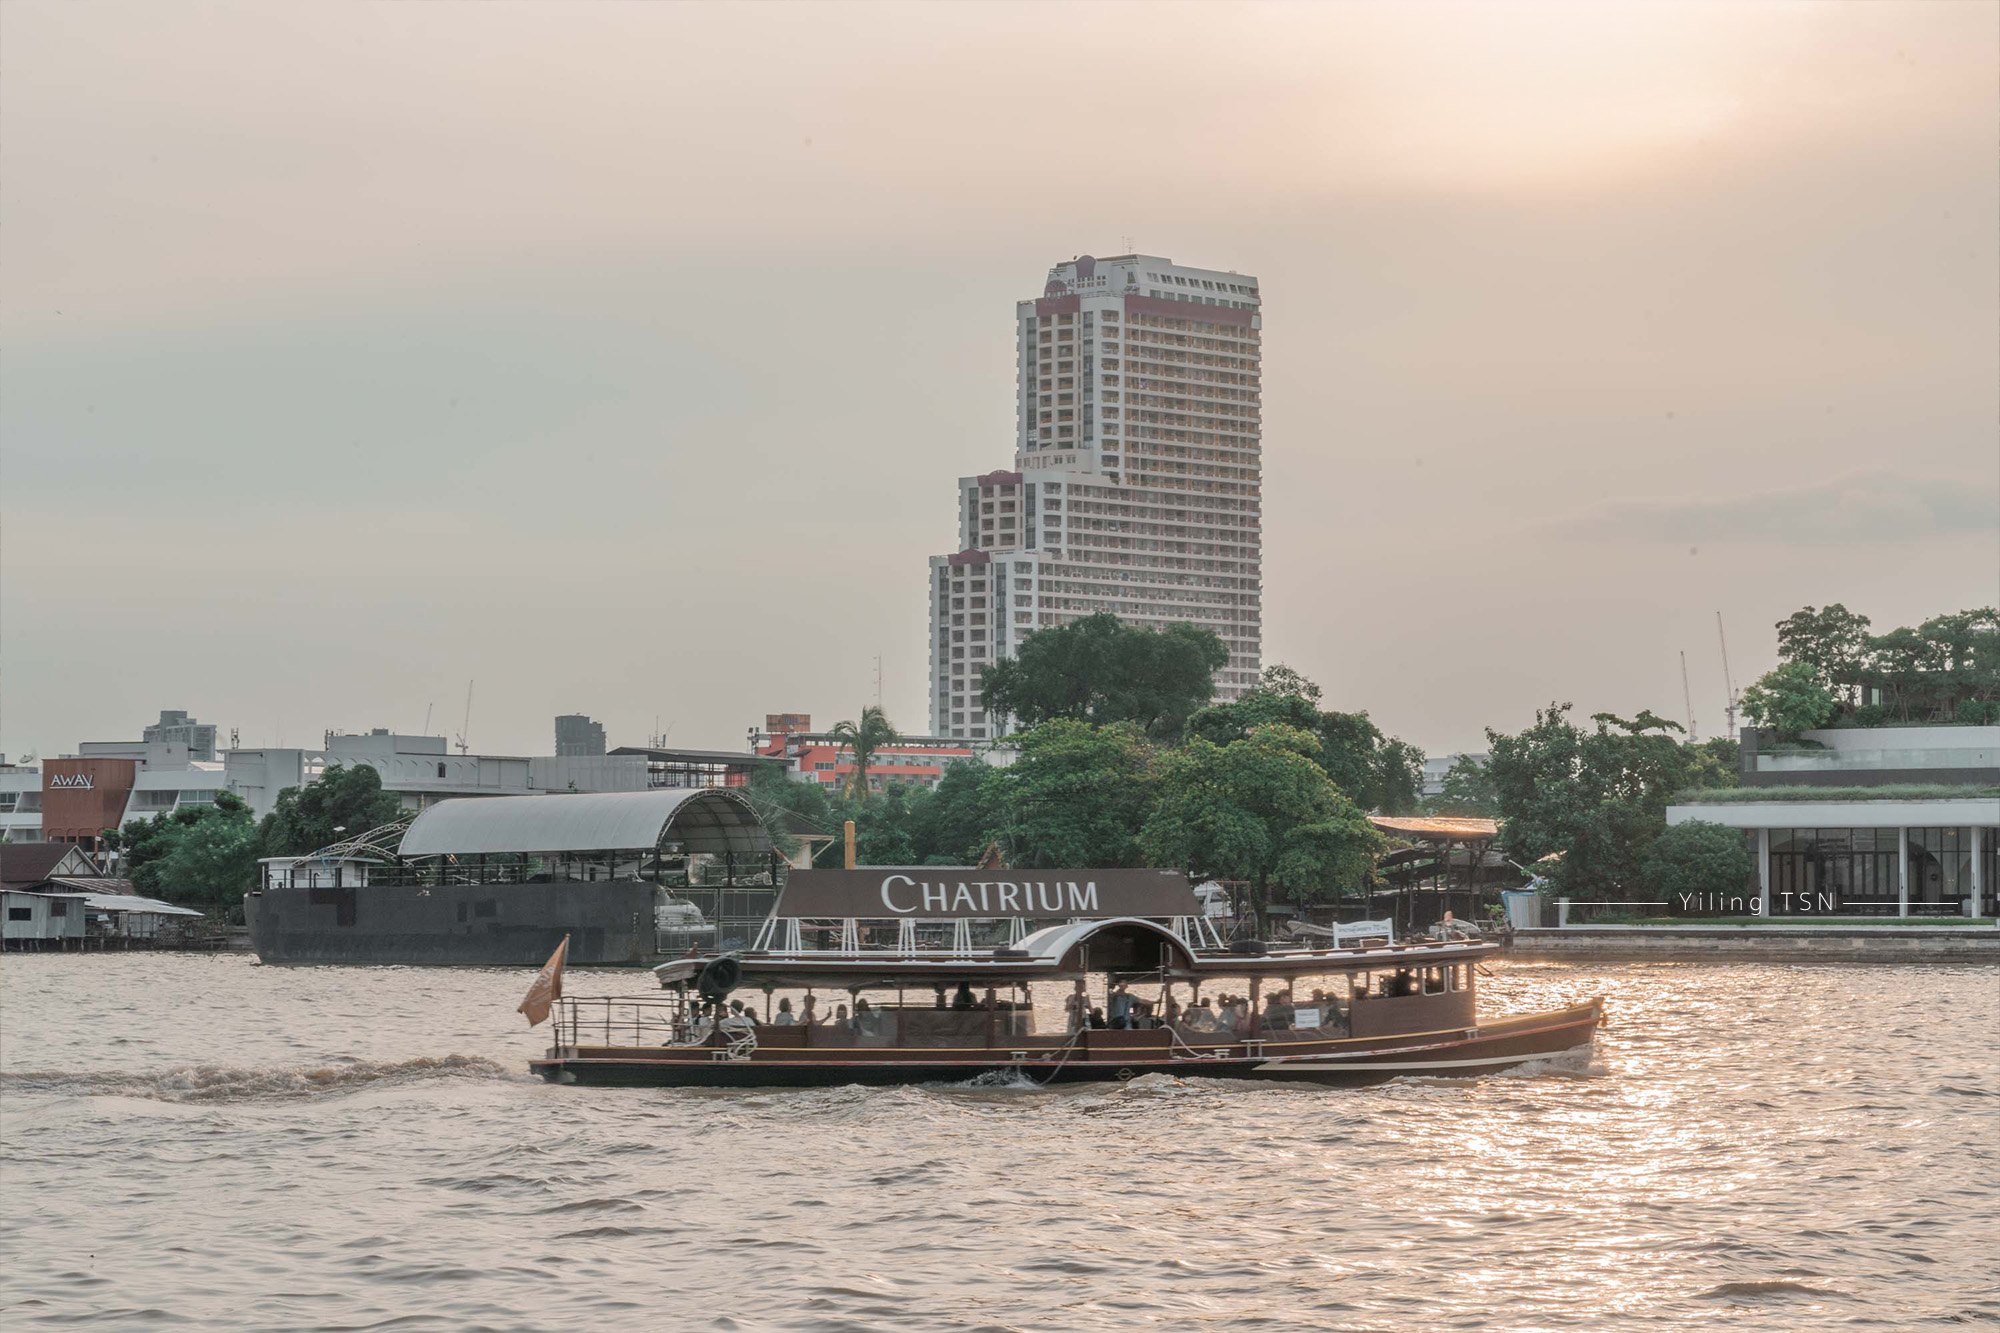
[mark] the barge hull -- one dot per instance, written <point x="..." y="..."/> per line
<point x="609" y="923"/>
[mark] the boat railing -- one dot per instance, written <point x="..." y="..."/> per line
<point x="949" y="937"/>
<point x="621" y="1020"/>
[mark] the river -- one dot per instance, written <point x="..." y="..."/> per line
<point x="201" y="1142"/>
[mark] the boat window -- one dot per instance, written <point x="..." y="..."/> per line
<point x="1433" y="981"/>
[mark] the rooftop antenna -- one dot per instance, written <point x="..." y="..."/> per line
<point x="1687" y="697"/>
<point x="1728" y="681"/>
<point x="466" y="725"/>
<point x="878" y="680"/>
<point x="429" y="708"/>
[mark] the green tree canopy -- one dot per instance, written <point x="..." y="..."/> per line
<point x="1790" y="699"/>
<point x="1831" y="644"/>
<point x="1946" y="669"/>
<point x="1600" y="797"/>
<point x="1378" y="772"/>
<point x="1468" y="791"/>
<point x="777" y="797"/>
<point x="197" y="856"/>
<point x="1697" y="857"/>
<point x="864" y="739"/>
<point x="305" y="819"/>
<point x="953" y="823"/>
<point x="1077" y="795"/>
<point x="1101" y="670"/>
<point x="1260" y="809"/>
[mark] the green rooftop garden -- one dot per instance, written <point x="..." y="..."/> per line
<point x="1894" y="791"/>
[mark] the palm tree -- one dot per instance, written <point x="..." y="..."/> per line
<point x="864" y="738"/>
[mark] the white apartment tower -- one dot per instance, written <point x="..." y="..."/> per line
<point x="1137" y="478"/>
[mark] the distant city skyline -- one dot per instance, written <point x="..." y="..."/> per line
<point x="344" y="361"/>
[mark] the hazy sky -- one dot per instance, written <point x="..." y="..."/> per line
<point x="623" y="356"/>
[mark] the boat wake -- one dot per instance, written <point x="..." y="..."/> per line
<point x="1578" y="1062"/>
<point x="215" y="1083"/>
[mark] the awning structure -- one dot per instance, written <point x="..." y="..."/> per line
<point x="711" y="820"/>
<point x="1426" y="828"/>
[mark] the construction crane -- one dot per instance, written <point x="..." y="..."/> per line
<point x="1687" y="697"/>
<point x="1728" y="681"/>
<point x="466" y="725"/>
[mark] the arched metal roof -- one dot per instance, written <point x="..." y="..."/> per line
<point x="702" y="819"/>
<point x="1051" y="944"/>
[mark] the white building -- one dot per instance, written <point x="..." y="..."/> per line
<point x="423" y="770"/>
<point x="1900" y="820"/>
<point x="1137" y="479"/>
<point x="20" y="802"/>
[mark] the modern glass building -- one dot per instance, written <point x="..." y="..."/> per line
<point x="1888" y="820"/>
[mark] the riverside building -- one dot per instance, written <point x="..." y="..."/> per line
<point x="1137" y="480"/>
<point x="1894" y="821"/>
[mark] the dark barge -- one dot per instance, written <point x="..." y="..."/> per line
<point x="628" y="877"/>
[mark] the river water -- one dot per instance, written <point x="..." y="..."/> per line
<point x="201" y="1142"/>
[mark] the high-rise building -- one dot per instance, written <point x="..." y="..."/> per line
<point x="578" y="735"/>
<point x="1137" y="478"/>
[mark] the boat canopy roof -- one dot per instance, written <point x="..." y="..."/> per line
<point x="701" y="819"/>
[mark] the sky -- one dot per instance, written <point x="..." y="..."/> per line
<point x="622" y="358"/>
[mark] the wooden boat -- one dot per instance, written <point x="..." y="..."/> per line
<point x="933" y="986"/>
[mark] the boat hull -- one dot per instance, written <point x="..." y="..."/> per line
<point x="1473" y="1052"/>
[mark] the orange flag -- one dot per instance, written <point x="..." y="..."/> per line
<point x="548" y="985"/>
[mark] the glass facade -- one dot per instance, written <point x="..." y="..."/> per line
<point x="1860" y="868"/>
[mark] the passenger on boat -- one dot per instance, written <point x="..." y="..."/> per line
<point x="1073" y="1011"/>
<point x="704" y="1022"/>
<point x="1121" y="1007"/>
<point x="1405" y="982"/>
<point x="737" y="1022"/>
<point x="839" y="1019"/>
<point x="784" y="1018"/>
<point x="964" y="999"/>
<point x="1201" y="1018"/>
<point x="1097" y="1018"/>
<point x="1278" y="1011"/>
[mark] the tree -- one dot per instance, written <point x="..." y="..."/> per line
<point x="953" y="822"/>
<point x="1599" y="797"/>
<point x="1790" y="698"/>
<point x="777" y="797"/>
<point x="863" y="739"/>
<point x="200" y="856"/>
<point x="1077" y="796"/>
<point x="1832" y="644"/>
<point x="1965" y="648"/>
<point x="1468" y="791"/>
<point x="1697" y="858"/>
<point x="1377" y="771"/>
<point x="345" y="803"/>
<point x="1101" y="670"/>
<point x="1260" y="809"/>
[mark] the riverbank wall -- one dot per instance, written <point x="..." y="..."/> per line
<point x="1758" y="944"/>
